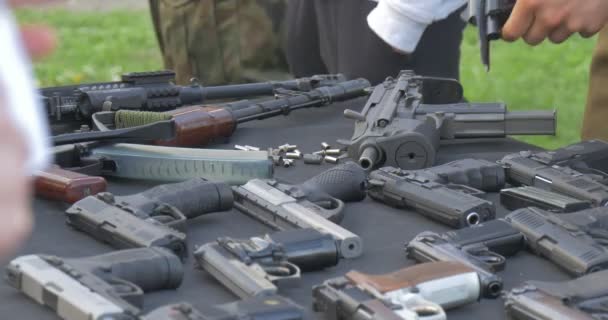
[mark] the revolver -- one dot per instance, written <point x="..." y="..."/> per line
<point x="577" y="241"/>
<point x="418" y="292"/>
<point x="568" y="170"/>
<point x="108" y="286"/>
<point x="482" y="247"/>
<point x="271" y="307"/>
<point x="155" y="217"/>
<point x="254" y="267"/>
<point x="317" y="203"/>
<point x="450" y="193"/>
<point x="584" y="298"/>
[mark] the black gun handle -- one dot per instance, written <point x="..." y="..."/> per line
<point x="193" y="197"/>
<point x="149" y="269"/>
<point x="475" y="173"/>
<point x="345" y="182"/>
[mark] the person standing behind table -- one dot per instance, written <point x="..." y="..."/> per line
<point x="595" y="121"/>
<point x="221" y="41"/>
<point x="362" y="38"/>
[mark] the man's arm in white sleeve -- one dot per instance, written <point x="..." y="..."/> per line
<point x="401" y="23"/>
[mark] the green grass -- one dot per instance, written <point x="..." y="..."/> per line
<point x="101" y="46"/>
<point x="95" y="46"/>
<point x="544" y="77"/>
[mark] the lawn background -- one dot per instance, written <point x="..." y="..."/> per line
<point x="99" y="46"/>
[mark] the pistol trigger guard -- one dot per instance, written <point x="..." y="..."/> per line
<point x="127" y="290"/>
<point x="294" y="274"/>
<point x="169" y="216"/>
<point x="493" y="261"/>
<point x="334" y="212"/>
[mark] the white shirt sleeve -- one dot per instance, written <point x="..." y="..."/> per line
<point x="17" y="85"/>
<point x="401" y="23"/>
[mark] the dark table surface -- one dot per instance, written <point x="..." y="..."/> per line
<point x="384" y="230"/>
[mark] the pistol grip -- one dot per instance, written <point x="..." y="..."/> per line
<point x="62" y="185"/>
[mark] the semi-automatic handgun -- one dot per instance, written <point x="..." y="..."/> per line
<point x="155" y="217"/>
<point x="489" y="16"/>
<point x="450" y="193"/>
<point x="405" y="118"/>
<point x="482" y="247"/>
<point x="316" y="203"/>
<point x="107" y="286"/>
<point x="418" y="292"/>
<point x="254" y="267"/>
<point x="569" y="170"/>
<point x="577" y="242"/>
<point x="255" y="308"/>
<point x="584" y="298"/>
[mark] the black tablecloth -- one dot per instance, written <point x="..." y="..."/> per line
<point x="384" y="230"/>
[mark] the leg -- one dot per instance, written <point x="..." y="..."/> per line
<point x="596" y="113"/>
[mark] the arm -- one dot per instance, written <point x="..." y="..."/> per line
<point x="535" y="20"/>
<point x="401" y="23"/>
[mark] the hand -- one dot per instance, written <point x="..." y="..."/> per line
<point x="15" y="185"/>
<point x="536" y="20"/>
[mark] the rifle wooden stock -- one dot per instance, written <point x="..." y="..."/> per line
<point x="58" y="184"/>
<point x="197" y="126"/>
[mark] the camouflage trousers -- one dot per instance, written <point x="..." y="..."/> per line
<point x="596" y="114"/>
<point x="221" y="41"/>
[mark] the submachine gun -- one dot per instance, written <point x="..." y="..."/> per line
<point x="405" y="118"/>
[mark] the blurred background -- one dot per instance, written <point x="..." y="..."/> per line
<point x="101" y="39"/>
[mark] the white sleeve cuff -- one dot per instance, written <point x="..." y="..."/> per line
<point x="397" y="30"/>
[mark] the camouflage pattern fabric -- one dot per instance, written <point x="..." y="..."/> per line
<point x="221" y="41"/>
<point x="596" y="113"/>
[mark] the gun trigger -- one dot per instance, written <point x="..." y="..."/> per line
<point x="376" y="183"/>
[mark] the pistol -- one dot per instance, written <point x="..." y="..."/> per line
<point x="55" y="183"/>
<point x="108" y="286"/>
<point x="567" y="171"/>
<point x="262" y="308"/>
<point x="316" y="203"/>
<point x="489" y="16"/>
<point x="255" y="267"/>
<point x="482" y="247"/>
<point x="449" y="193"/>
<point x="155" y="217"/>
<point x="574" y="241"/>
<point x="584" y="298"/>
<point x="423" y="291"/>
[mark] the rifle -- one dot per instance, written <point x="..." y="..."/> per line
<point x="199" y="125"/>
<point x="155" y="91"/>
<point x="405" y="118"/>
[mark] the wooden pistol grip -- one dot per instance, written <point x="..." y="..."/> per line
<point x="62" y="185"/>
<point x="198" y="126"/>
<point x="408" y="277"/>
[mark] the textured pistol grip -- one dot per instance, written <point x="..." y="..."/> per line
<point x="345" y="182"/>
<point x="67" y="186"/>
<point x="150" y="269"/>
<point x="475" y="173"/>
<point x="194" y="197"/>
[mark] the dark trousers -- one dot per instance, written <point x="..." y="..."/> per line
<point x="332" y="36"/>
